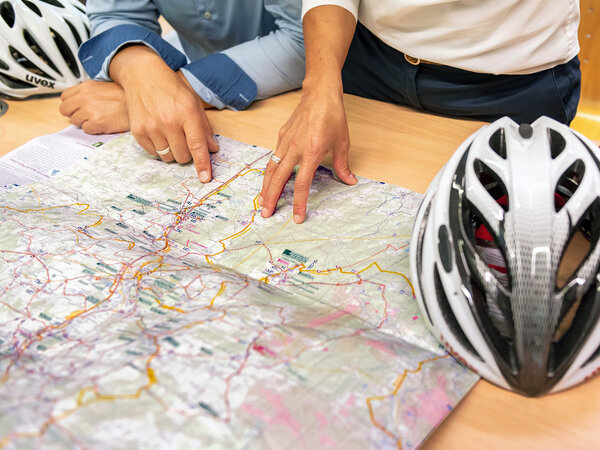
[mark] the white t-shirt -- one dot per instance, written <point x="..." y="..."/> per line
<point x="489" y="36"/>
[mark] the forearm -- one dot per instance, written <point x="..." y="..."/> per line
<point x="328" y="32"/>
<point x="130" y="66"/>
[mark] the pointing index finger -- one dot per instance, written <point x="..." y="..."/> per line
<point x="198" y="147"/>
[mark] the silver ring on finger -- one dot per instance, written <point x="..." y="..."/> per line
<point x="163" y="152"/>
<point x="275" y="159"/>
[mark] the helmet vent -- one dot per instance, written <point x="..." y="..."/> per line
<point x="450" y="318"/>
<point x="14" y="83"/>
<point x="33" y="45"/>
<point x="445" y="248"/>
<point x="579" y="247"/>
<point x="593" y="357"/>
<point x="28" y="65"/>
<point x="3" y="65"/>
<point x="575" y="253"/>
<point x="491" y="183"/>
<point x="75" y="33"/>
<point x="488" y="246"/>
<point x="498" y="142"/>
<point x="79" y="7"/>
<point x="582" y="314"/>
<point x="53" y="3"/>
<point x="33" y="7"/>
<point x="557" y="142"/>
<point x="7" y="13"/>
<point x="568" y="184"/>
<point x="495" y="319"/>
<point x="67" y="55"/>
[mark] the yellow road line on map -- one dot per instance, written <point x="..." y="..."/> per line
<point x="172" y="308"/>
<point x="86" y="207"/>
<point x="75" y="314"/>
<point x="338" y="237"/>
<point x="219" y="293"/>
<point x="397" y="385"/>
<point x="97" y="397"/>
<point x="374" y="263"/>
<point x="262" y="245"/>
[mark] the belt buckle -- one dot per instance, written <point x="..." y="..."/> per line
<point x="412" y="60"/>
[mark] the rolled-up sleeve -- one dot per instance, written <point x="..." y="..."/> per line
<point x="116" y="23"/>
<point x="233" y="78"/>
<point x="97" y="53"/>
<point x="350" y="5"/>
<point x="257" y="69"/>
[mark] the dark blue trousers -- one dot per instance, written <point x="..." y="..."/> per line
<point x="375" y="70"/>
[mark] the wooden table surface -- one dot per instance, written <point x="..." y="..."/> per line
<point x="407" y="148"/>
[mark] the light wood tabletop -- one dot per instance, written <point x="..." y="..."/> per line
<point x="396" y="145"/>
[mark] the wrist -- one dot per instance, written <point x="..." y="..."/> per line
<point x="187" y="84"/>
<point x="131" y="64"/>
<point x="324" y="84"/>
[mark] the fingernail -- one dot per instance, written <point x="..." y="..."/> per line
<point x="264" y="212"/>
<point x="204" y="176"/>
<point x="260" y="200"/>
<point x="354" y="178"/>
<point x="297" y="218"/>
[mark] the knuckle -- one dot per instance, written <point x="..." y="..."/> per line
<point x="312" y="152"/>
<point x="278" y="178"/>
<point x="91" y="128"/>
<point x="151" y="128"/>
<point x="196" y="144"/>
<point x="201" y="163"/>
<point x="137" y="131"/>
<point x="341" y="165"/>
<point x="302" y="185"/>
<point x="168" y="122"/>
<point x="183" y="158"/>
<point x="188" y="105"/>
<point x="299" y="205"/>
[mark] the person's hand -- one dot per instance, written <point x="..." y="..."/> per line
<point x="97" y="107"/>
<point x="164" y="111"/>
<point x="317" y="126"/>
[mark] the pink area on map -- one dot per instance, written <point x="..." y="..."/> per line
<point x="251" y="410"/>
<point x="331" y="317"/>
<point x="383" y="348"/>
<point x="348" y="406"/>
<point x="327" y="441"/>
<point x="323" y="421"/>
<point x="280" y="412"/>
<point x="433" y="404"/>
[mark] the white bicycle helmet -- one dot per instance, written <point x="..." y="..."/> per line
<point x="495" y="225"/>
<point x="39" y="40"/>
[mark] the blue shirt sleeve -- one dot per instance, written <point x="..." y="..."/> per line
<point x="275" y="61"/>
<point x="97" y="53"/>
<point x="259" y="68"/>
<point x="221" y="82"/>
